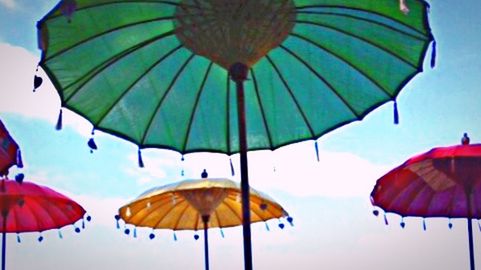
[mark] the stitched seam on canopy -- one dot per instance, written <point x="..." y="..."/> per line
<point x="194" y="109"/>
<point x="169" y="88"/>
<point x="109" y="62"/>
<point x="131" y="86"/>
<point x="324" y="80"/>
<point x="261" y="107"/>
<point x="289" y="91"/>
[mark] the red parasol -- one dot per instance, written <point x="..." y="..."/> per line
<point x="9" y="151"/>
<point x="27" y="207"/>
<point x="443" y="182"/>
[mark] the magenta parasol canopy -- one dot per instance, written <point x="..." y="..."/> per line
<point x="443" y="182"/>
<point x="9" y="151"/>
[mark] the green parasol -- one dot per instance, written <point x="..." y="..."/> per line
<point x="230" y="76"/>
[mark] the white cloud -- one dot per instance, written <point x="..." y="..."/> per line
<point x="11" y="4"/>
<point x="16" y="94"/>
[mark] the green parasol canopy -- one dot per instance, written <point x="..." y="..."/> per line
<point x="159" y="73"/>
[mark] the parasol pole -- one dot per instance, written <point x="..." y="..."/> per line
<point x="238" y="73"/>
<point x="4" y="239"/>
<point x="470" y="231"/>
<point x="205" y="219"/>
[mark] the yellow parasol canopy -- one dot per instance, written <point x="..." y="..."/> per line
<point x="182" y="205"/>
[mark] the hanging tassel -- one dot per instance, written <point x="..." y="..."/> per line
<point x="281" y="225"/>
<point x="19" y="159"/>
<point x="396" y="113"/>
<point x="18" y="238"/>
<point x="92" y="145"/>
<point x="175" y="237"/>
<point x="83" y="224"/>
<point x="37" y="82"/>
<point x="402" y="223"/>
<point x="231" y="167"/>
<point x="267" y="227"/>
<point x="40" y="238"/>
<point x="59" y="121"/>
<point x="182" y="170"/>
<point x="375" y="212"/>
<point x="77" y="229"/>
<point x="450" y="225"/>
<point x="68" y="8"/>
<point x="151" y="235"/>
<point x="424" y="224"/>
<point x="19" y="179"/>
<point x="290" y="220"/>
<point x="139" y="155"/>
<point x="60" y="234"/>
<point x="127" y="231"/>
<point x="433" y="54"/>
<point x="196" y="237"/>
<point x="221" y="232"/>
<point x="135" y="232"/>
<point x="317" y="150"/>
<point x="89" y="218"/>
<point x="385" y="220"/>
<point x="117" y="218"/>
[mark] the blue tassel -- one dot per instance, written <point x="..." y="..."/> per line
<point x="385" y="220"/>
<point x="196" y="237"/>
<point x="317" y="150"/>
<point x="175" y="237"/>
<point x="450" y="225"/>
<point x="40" y="238"/>
<point x="18" y="238"/>
<point x="151" y="236"/>
<point x="375" y="212"/>
<point x="19" y="178"/>
<point x="290" y="220"/>
<point x="135" y="232"/>
<point x="59" y="121"/>
<point x="37" y="82"/>
<point x="182" y="171"/>
<point x="117" y="218"/>
<point x="221" y="233"/>
<point x="60" y="234"/>
<point x="396" y="114"/>
<point x="127" y="231"/>
<point x="92" y="145"/>
<point x="89" y="218"/>
<point x="433" y="54"/>
<point x="231" y="167"/>
<point x="83" y="224"/>
<point x="424" y="224"/>
<point x="402" y="223"/>
<point x="19" y="159"/>
<point x="267" y="227"/>
<point x="281" y="225"/>
<point x="139" y="155"/>
<point x="77" y="230"/>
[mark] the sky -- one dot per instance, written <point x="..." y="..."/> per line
<point x="334" y="227"/>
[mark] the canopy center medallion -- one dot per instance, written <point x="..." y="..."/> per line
<point x="228" y="32"/>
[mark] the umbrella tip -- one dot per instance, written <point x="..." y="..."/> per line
<point x="204" y="174"/>
<point x="465" y="139"/>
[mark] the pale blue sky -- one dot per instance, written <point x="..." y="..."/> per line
<point x="328" y="200"/>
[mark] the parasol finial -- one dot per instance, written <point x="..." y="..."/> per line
<point x="465" y="139"/>
<point x="204" y="174"/>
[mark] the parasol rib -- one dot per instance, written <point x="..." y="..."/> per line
<point x="360" y="71"/>
<point x="261" y="107"/>
<point x="169" y="88"/>
<point x="182" y="212"/>
<point x="130" y="87"/>
<point x="289" y="91"/>
<point x="420" y="37"/>
<point x="341" y="98"/>
<point x="101" y="34"/>
<point x="168" y="211"/>
<point x="196" y="103"/>
<point x="390" y="52"/>
<point x="362" y="10"/>
<point x="154" y="207"/>
<point x="109" y="62"/>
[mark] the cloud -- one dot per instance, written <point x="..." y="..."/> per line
<point x="17" y="96"/>
<point x="10" y="4"/>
